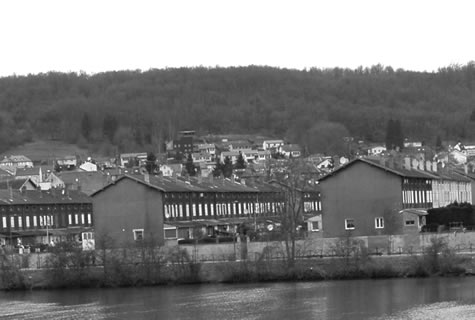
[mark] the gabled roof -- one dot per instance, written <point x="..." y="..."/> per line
<point x="16" y="158"/>
<point x="413" y="173"/>
<point x="168" y="184"/>
<point x="15" y="184"/>
<point x="24" y="172"/>
<point x="291" y="147"/>
<point x="42" y="197"/>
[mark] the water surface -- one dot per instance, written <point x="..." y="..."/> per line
<point x="433" y="298"/>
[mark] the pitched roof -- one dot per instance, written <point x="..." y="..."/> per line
<point x="89" y="181"/>
<point x="15" y="184"/>
<point x="402" y="172"/>
<point x="42" y="197"/>
<point x="24" y="172"/>
<point x="168" y="184"/>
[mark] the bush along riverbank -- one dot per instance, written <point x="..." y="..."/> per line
<point x="68" y="266"/>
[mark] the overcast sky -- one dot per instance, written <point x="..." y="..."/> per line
<point x="99" y="35"/>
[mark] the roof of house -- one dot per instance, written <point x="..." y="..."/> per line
<point x="15" y="184"/>
<point x="168" y="184"/>
<point x="291" y="147"/>
<point x="400" y="171"/>
<point x="42" y="197"/>
<point x="5" y="173"/>
<point x="89" y="181"/>
<point x="25" y="172"/>
<point x="17" y="158"/>
<point x="134" y="155"/>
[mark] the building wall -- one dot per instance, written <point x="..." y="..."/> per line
<point x="363" y="193"/>
<point x="125" y="206"/>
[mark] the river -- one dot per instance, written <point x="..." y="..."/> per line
<point x="430" y="298"/>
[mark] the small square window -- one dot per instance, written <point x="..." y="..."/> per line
<point x="349" y="224"/>
<point x="379" y="223"/>
<point x="410" y="222"/>
<point x="138" y="234"/>
<point x="315" y="225"/>
<point x="170" y="233"/>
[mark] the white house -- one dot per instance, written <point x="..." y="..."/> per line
<point x="88" y="166"/>
<point x="207" y="148"/>
<point x="291" y="150"/>
<point x="272" y="144"/>
<point x="17" y="161"/>
<point x="377" y="149"/>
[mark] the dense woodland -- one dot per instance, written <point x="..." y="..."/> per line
<point x="139" y="110"/>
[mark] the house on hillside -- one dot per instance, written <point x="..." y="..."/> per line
<point x="132" y="159"/>
<point x="17" y="161"/>
<point x="88" y="166"/>
<point x="376" y="149"/>
<point x="35" y="174"/>
<point x="209" y="148"/>
<point x="272" y="144"/>
<point x="239" y="145"/>
<point x="52" y="181"/>
<point x="86" y="182"/>
<point x="171" y="169"/>
<point x="17" y="184"/>
<point x="291" y="150"/>
<point x="67" y="163"/>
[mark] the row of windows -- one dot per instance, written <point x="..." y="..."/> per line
<point x="221" y="209"/>
<point x="43" y="208"/>
<point x="20" y="222"/>
<point x="311" y="206"/>
<point x="27" y="222"/>
<point x="351" y="225"/>
<point x="186" y="196"/>
<point x="416" y="196"/>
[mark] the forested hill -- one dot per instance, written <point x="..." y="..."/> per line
<point x="133" y="110"/>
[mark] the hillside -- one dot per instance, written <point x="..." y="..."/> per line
<point x="135" y="110"/>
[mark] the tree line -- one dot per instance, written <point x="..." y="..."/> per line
<point x="317" y="108"/>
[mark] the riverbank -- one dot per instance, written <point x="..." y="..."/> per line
<point x="317" y="269"/>
<point x="147" y="266"/>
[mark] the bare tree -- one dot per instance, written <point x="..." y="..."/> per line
<point x="293" y="183"/>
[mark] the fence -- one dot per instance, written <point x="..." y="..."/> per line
<point x="460" y="242"/>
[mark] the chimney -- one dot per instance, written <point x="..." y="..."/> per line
<point x="146" y="177"/>
<point x="465" y="168"/>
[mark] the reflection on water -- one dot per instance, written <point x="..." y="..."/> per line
<point x="435" y="298"/>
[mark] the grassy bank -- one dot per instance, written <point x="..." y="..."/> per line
<point x="74" y="268"/>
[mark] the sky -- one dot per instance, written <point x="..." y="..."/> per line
<point x="100" y="35"/>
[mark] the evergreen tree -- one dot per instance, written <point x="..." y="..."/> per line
<point x="438" y="144"/>
<point x="190" y="166"/>
<point x="227" y="167"/>
<point x="398" y="135"/>
<point x="218" y="168"/>
<point x="86" y="126"/>
<point x="151" y="165"/>
<point x="390" y="135"/>
<point x="240" y="162"/>
<point x="394" y="135"/>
